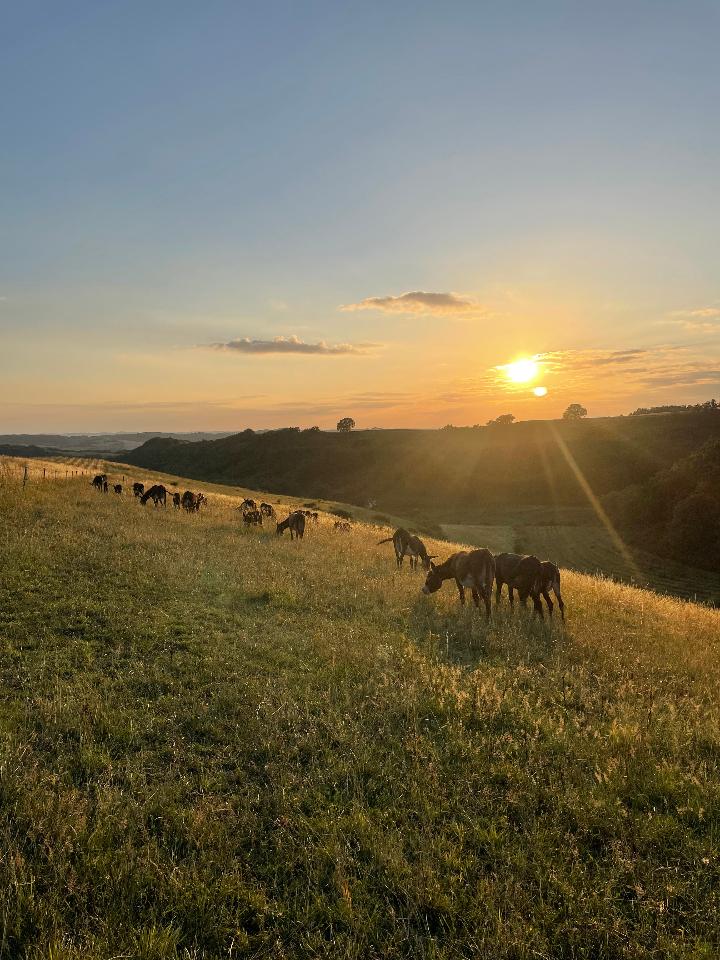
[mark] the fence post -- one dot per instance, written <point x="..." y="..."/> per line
<point x="25" y="475"/>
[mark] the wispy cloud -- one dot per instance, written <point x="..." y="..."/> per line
<point x="419" y="302"/>
<point x="698" y="320"/>
<point x="292" y="345"/>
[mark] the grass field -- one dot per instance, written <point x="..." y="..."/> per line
<point x="218" y="743"/>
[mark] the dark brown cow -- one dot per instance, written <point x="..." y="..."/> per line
<point x="157" y="493"/>
<point x="406" y="543"/>
<point x="117" y="488"/>
<point x="295" y="523"/>
<point x="99" y="481"/>
<point x="521" y="573"/>
<point x="474" y="569"/>
<point x="192" y="501"/>
<point x="138" y="489"/>
<point x="176" y="500"/>
<point x="551" y="581"/>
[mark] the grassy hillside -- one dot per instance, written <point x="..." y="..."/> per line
<point x="217" y="743"/>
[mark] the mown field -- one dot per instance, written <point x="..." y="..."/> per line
<point x="218" y="743"/>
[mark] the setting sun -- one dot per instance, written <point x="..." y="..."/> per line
<point x="540" y="391"/>
<point x="521" y="371"/>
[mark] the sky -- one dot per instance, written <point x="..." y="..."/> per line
<point x="231" y="214"/>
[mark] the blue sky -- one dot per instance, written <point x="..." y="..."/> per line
<point x="179" y="175"/>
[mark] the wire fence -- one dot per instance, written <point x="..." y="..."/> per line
<point x="24" y="471"/>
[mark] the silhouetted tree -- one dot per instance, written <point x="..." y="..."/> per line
<point x="504" y="420"/>
<point x="346" y="425"/>
<point x="576" y="411"/>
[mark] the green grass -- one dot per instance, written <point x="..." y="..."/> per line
<point x="218" y="743"/>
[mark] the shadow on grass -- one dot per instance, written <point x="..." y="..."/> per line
<point x="465" y="638"/>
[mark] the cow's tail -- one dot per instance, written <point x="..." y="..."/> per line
<point x="386" y="540"/>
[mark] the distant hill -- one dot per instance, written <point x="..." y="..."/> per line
<point x="49" y="444"/>
<point x="676" y="512"/>
<point x="448" y="474"/>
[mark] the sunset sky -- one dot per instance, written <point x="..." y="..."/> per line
<point x="220" y="215"/>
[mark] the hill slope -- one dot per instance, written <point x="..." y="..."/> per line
<point x="453" y="472"/>
<point x="217" y="742"/>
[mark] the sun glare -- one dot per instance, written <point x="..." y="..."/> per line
<point x="521" y="371"/>
<point x="540" y="391"/>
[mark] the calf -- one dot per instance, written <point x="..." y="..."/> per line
<point x="474" y="569"/>
<point x="99" y="481"/>
<point x="267" y="510"/>
<point x="117" y="488"/>
<point x="405" y="543"/>
<point x="295" y="523"/>
<point x="176" y="501"/>
<point x="253" y="518"/>
<point x="138" y="489"/>
<point x="521" y="573"/>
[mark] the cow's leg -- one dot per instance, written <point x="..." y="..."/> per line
<point x="476" y="597"/>
<point x="487" y="597"/>
<point x="556" y="591"/>
<point x="548" y="601"/>
<point x="510" y="594"/>
<point x="537" y="605"/>
<point x="498" y="591"/>
<point x="461" y="591"/>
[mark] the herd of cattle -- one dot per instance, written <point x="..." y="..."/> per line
<point x="477" y="569"/>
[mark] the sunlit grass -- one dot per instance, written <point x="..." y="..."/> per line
<point x="215" y="742"/>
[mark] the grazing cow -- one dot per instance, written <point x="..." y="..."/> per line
<point x="295" y="523"/>
<point x="474" y="569"/>
<point x="248" y="504"/>
<point x="405" y="543"/>
<point x="343" y="526"/>
<point x="157" y="493"/>
<point x="176" y="501"/>
<point x="117" y="488"/>
<point x="551" y="581"/>
<point x="267" y="510"/>
<point x="521" y="573"/>
<point x="105" y="485"/>
<point x="99" y="481"/>
<point x="138" y="489"/>
<point x="253" y="518"/>
<point x="314" y="516"/>
<point x="192" y="501"/>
